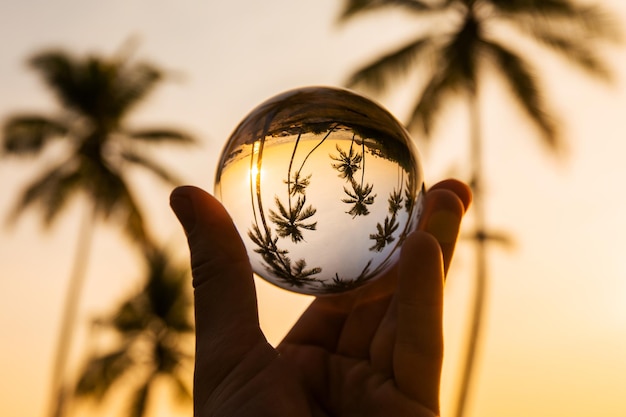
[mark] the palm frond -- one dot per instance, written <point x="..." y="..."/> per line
<point x="83" y="85"/>
<point x="103" y="90"/>
<point x="354" y="7"/>
<point x="151" y="166"/>
<point x="130" y="317"/>
<point x="58" y="70"/>
<point x="463" y="52"/>
<point x="577" y="49"/>
<point x="585" y="21"/>
<point x="162" y="135"/>
<point x="455" y="69"/>
<point x="177" y="316"/>
<point x="437" y="89"/>
<point x="289" y="221"/>
<point x="348" y="163"/>
<point x="300" y="273"/>
<point x="139" y="399"/>
<point x="130" y="217"/>
<point x="444" y="82"/>
<point x="166" y="290"/>
<point x="395" y="201"/>
<point x="359" y="197"/>
<point x="27" y="134"/>
<point x="384" y="235"/>
<point x="148" y="327"/>
<point x="377" y="74"/>
<point x="551" y="7"/>
<point x="133" y="84"/>
<point x="102" y="372"/>
<point x="298" y="183"/>
<point x="50" y="191"/>
<point x="113" y="199"/>
<point x="303" y="213"/>
<point x="524" y="86"/>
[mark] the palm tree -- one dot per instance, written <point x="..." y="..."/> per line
<point x="359" y="197"/>
<point x="149" y="328"/>
<point x="277" y="260"/>
<point x="384" y="235"/>
<point x="395" y="202"/>
<point x="298" y="183"/>
<point x="96" y="96"/>
<point x="290" y="221"/>
<point x="461" y="54"/>
<point x="348" y="163"/>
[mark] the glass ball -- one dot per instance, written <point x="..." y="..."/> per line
<point x="323" y="185"/>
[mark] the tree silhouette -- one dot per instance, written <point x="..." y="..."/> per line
<point x="298" y="183"/>
<point x="278" y="262"/>
<point x="149" y="328"/>
<point x="338" y="284"/>
<point x="395" y="201"/>
<point x="385" y="233"/>
<point x="96" y="95"/>
<point x="460" y="58"/>
<point x="348" y="163"/>
<point x="290" y="221"/>
<point x="359" y="197"/>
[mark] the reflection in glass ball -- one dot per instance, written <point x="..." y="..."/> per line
<point x="323" y="186"/>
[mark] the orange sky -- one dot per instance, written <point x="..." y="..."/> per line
<point x="557" y="311"/>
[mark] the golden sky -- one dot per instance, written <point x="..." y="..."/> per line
<point x="556" y="332"/>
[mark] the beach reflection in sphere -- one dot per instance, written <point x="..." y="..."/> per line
<point x="323" y="185"/>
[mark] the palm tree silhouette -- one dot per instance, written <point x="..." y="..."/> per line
<point x="149" y="327"/>
<point x="395" y="201"/>
<point x="289" y="221"/>
<point x="278" y="262"/>
<point x="360" y="197"/>
<point x="384" y="236"/>
<point x="298" y="183"/>
<point x="460" y="57"/>
<point x="348" y="163"/>
<point x="339" y="284"/>
<point x="96" y="95"/>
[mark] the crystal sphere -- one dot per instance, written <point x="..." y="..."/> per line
<point x="323" y="185"/>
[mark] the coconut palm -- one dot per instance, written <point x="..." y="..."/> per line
<point x="94" y="146"/>
<point x="395" y="202"/>
<point x="359" y="197"/>
<point x="384" y="235"/>
<point x="461" y="53"/>
<point x="277" y="260"/>
<point x="348" y="163"/>
<point x="150" y="329"/>
<point x="298" y="183"/>
<point x="290" y="220"/>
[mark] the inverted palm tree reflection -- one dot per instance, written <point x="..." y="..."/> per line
<point x="328" y="174"/>
<point x="292" y="219"/>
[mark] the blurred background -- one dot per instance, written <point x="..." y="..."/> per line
<point x="554" y="327"/>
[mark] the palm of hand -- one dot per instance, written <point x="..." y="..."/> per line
<point x="350" y="387"/>
<point x="347" y="356"/>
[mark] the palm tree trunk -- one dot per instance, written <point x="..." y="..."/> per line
<point x="58" y="387"/>
<point x="480" y="237"/>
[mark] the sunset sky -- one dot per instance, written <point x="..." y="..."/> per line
<point x="556" y="330"/>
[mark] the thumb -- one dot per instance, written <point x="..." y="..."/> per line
<point x="226" y="315"/>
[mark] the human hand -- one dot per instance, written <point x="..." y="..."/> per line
<point x="374" y="351"/>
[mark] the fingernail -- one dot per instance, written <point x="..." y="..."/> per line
<point x="443" y="225"/>
<point x="184" y="210"/>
